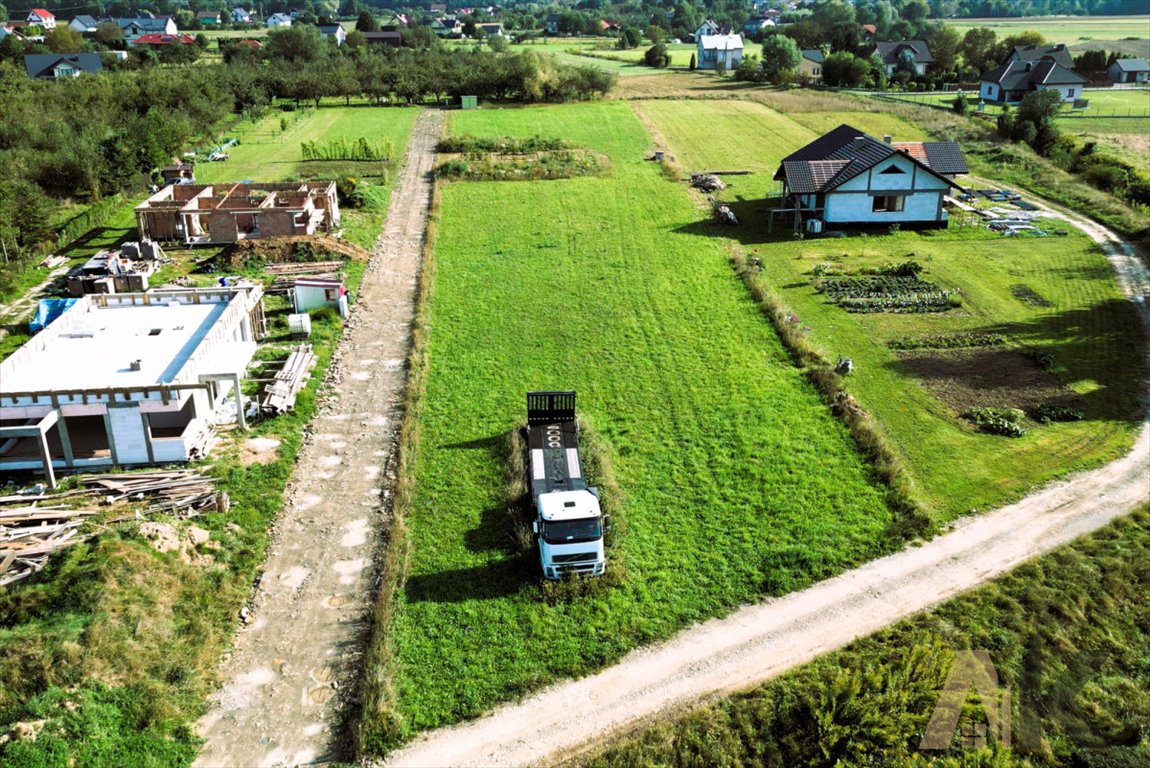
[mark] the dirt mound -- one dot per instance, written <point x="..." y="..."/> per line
<point x="280" y="250"/>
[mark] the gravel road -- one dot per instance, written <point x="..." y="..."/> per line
<point x="297" y="659"/>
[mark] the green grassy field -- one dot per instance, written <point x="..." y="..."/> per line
<point x="601" y="285"/>
<point x="1064" y="29"/>
<point x="1068" y="637"/>
<point x="1091" y="330"/>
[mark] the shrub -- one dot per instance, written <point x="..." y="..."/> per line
<point x="998" y="421"/>
<point x="657" y="56"/>
<point x="1048" y="412"/>
<point x="960" y="104"/>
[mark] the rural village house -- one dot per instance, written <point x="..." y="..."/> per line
<point x="241" y="16"/>
<point x="278" y="21"/>
<point x="7" y="29"/>
<point x="1129" y="71"/>
<point x="208" y="18"/>
<point x="907" y="55"/>
<point x="334" y="32"/>
<point x="53" y="66"/>
<point x="847" y="178"/>
<point x="1009" y="83"/>
<point x="811" y="65"/>
<point x="133" y="28"/>
<point x="386" y="37"/>
<point x="42" y="18"/>
<point x="1059" y="53"/>
<point x="716" y="49"/>
<point x="154" y="41"/>
<point x="85" y="25"/>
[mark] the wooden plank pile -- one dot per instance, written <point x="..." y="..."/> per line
<point x="29" y="534"/>
<point x="180" y="492"/>
<point x="280" y="394"/>
<point x="286" y="274"/>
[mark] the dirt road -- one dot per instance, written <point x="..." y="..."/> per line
<point x="282" y="700"/>
<point x="760" y="642"/>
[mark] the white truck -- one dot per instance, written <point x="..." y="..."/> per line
<point x="567" y="521"/>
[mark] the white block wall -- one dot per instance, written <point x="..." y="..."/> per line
<point x="127" y="432"/>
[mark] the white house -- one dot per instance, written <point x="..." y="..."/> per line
<point x="241" y="16"/>
<point x="146" y="25"/>
<point x="710" y="27"/>
<point x="85" y="25"/>
<point x="1129" y="71"/>
<point x="334" y="32"/>
<point x="753" y="26"/>
<point x="847" y="178"/>
<point x="54" y="66"/>
<point x="278" y="21"/>
<point x="127" y="378"/>
<point x="908" y="54"/>
<point x="711" y="50"/>
<point x="42" y="18"/>
<point x="1010" y="82"/>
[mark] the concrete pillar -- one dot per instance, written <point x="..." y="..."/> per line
<point x="46" y="457"/>
<point x="65" y="441"/>
<point x="241" y="420"/>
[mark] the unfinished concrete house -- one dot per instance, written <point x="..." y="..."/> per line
<point x="128" y="378"/>
<point x="202" y="214"/>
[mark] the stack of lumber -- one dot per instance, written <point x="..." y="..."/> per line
<point x="286" y="274"/>
<point x="285" y="283"/>
<point x="279" y="395"/>
<point x="29" y="534"/>
<point x="181" y="492"/>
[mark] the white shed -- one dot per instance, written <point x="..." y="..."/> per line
<point x="314" y="293"/>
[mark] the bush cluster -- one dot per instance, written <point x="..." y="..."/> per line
<point x="1048" y="412"/>
<point x="948" y="341"/>
<point x="998" y="421"/>
<point x="504" y="145"/>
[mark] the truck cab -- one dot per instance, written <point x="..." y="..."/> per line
<point x="568" y="522"/>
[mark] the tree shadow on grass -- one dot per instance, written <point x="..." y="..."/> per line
<point x="97" y="237"/>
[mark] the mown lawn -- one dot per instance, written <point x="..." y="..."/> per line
<point x="1089" y="328"/>
<point x="736" y="480"/>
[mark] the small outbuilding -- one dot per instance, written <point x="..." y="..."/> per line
<point x="1129" y="71"/>
<point x="315" y="293"/>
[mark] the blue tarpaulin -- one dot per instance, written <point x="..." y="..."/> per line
<point x="48" y="311"/>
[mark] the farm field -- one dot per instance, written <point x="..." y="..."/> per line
<point x="1081" y="319"/>
<point x="1065" y="632"/>
<point x="602" y="284"/>
<point x="1063" y="29"/>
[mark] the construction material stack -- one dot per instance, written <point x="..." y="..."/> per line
<point x="567" y="520"/>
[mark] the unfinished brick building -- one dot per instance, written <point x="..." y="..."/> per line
<point x="203" y="214"/>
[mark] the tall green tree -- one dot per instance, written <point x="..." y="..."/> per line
<point x="781" y="56"/>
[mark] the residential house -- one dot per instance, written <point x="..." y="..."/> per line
<point x="905" y="55"/>
<point x="128" y="379"/>
<point x="438" y="8"/>
<point x="146" y="25"/>
<point x="208" y="18"/>
<point x="241" y="16"/>
<point x="710" y="27"/>
<point x="334" y="32"/>
<point x="54" y="66"/>
<point x="868" y="32"/>
<point x="200" y="214"/>
<point x="9" y="29"/>
<point x="85" y="25"/>
<point x="756" y="26"/>
<point x="278" y="21"/>
<point x="490" y="30"/>
<point x="1010" y="82"/>
<point x="445" y="26"/>
<point x="387" y="37"/>
<point x="1059" y="53"/>
<point x="847" y="178"/>
<point x="397" y="20"/>
<point x="155" y="40"/>
<point x="1129" y="71"/>
<point x="811" y="65"/>
<point x="713" y="50"/>
<point x="42" y="18"/>
<point x="551" y="23"/>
